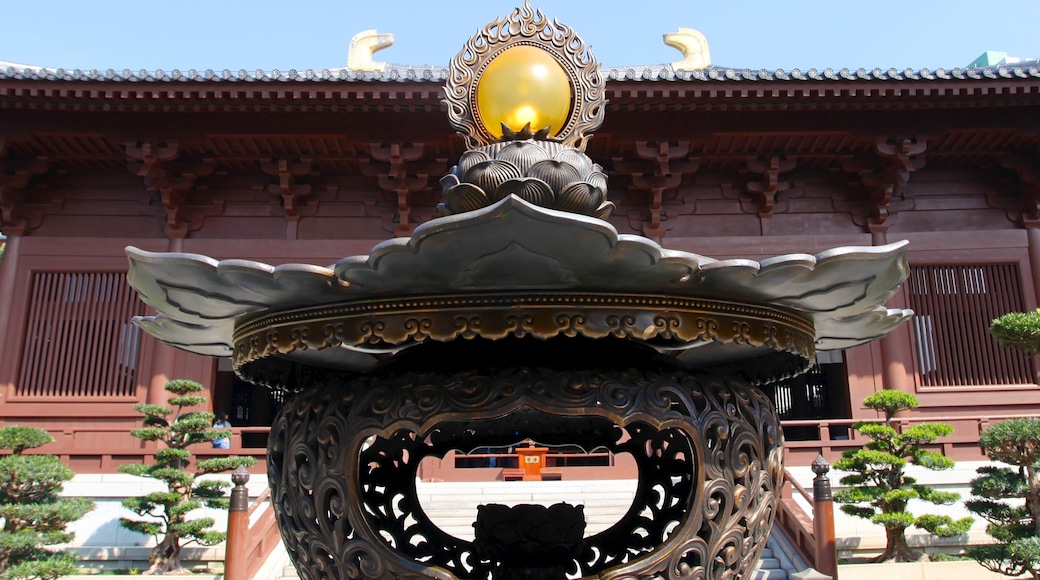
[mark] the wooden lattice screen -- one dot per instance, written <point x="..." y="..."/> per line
<point x="79" y="341"/>
<point x="953" y="308"/>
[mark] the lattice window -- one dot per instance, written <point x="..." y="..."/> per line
<point x="953" y="308"/>
<point x="79" y="341"/>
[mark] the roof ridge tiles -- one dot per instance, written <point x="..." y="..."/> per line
<point x="425" y="73"/>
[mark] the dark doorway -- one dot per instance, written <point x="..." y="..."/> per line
<point x="248" y="405"/>
<point x="820" y="393"/>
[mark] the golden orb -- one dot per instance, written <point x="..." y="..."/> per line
<point x="524" y="84"/>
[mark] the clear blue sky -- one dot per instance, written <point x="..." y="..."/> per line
<point x="267" y="34"/>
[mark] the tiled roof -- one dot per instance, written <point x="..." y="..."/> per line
<point x="660" y="72"/>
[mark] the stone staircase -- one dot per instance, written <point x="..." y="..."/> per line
<point x="453" y="507"/>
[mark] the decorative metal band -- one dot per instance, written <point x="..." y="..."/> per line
<point x="386" y="325"/>
<point x="342" y="462"/>
<point x="526" y="27"/>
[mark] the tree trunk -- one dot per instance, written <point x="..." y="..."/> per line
<point x="896" y="548"/>
<point x="1032" y="494"/>
<point x="166" y="556"/>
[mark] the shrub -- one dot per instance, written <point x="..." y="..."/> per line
<point x="32" y="510"/>
<point x="167" y="511"/>
<point x="879" y="489"/>
<point x="1014" y="524"/>
<point x="1018" y="330"/>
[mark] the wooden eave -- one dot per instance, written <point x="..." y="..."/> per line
<point x="413" y="96"/>
<point x="218" y="96"/>
<point x="77" y="124"/>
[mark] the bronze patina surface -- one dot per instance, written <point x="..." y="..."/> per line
<point x="343" y="457"/>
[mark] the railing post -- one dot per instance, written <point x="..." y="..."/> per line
<point x="823" y="520"/>
<point x="235" y="563"/>
<point x="825" y="431"/>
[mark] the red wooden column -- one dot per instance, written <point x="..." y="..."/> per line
<point x="1033" y="235"/>
<point x="8" y="275"/>
<point x="164" y="357"/>
<point x="896" y="347"/>
<point x="162" y="371"/>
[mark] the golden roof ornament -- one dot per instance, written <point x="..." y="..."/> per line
<point x="363" y="45"/>
<point x="525" y="94"/>
<point x="693" y="46"/>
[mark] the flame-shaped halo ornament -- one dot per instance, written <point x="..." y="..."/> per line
<point x="525" y="94"/>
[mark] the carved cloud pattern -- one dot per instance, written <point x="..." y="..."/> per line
<point x="511" y="245"/>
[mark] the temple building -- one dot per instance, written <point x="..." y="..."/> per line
<point x="312" y="166"/>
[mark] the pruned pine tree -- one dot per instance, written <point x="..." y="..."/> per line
<point x="1009" y="498"/>
<point x="166" y="513"/>
<point x="1018" y="330"/>
<point x="34" y="514"/>
<point x="879" y="490"/>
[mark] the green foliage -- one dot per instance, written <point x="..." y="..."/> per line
<point x="183" y="387"/>
<point x="1015" y="441"/>
<point x="166" y="514"/>
<point x="33" y="513"/>
<point x="18" y="438"/>
<point x="1018" y="330"/>
<point x="1009" y="499"/>
<point x="890" y="402"/>
<point x="44" y="568"/>
<point x="879" y="490"/>
<point x="29" y="478"/>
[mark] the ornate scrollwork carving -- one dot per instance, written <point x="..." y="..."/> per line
<point x="388" y="324"/>
<point x="343" y="459"/>
<point x="525" y="26"/>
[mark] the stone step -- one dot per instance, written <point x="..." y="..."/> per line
<point x="769" y="563"/>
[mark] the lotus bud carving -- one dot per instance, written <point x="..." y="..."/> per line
<point x="544" y="173"/>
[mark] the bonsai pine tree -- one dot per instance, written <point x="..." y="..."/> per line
<point x="878" y="488"/>
<point x="33" y="514"/>
<point x="166" y="512"/>
<point x="1016" y="525"/>
<point x="1018" y="330"/>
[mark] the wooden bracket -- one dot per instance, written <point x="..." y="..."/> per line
<point x="885" y="174"/>
<point x="669" y="163"/>
<point x="156" y="162"/>
<point x="1028" y="171"/>
<point x="765" y="190"/>
<point x="15" y="179"/>
<point x="398" y="170"/>
<point x="291" y="194"/>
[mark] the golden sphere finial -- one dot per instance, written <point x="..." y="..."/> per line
<point x="523" y="86"/>
<point x="525" y="69"/>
